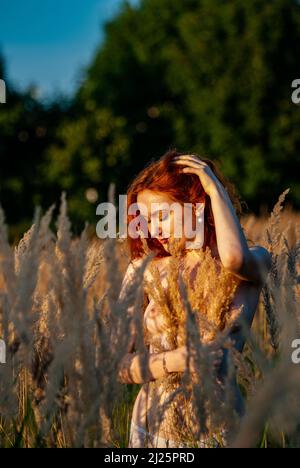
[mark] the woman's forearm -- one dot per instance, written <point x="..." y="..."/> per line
<point x="231" y="241"/>
<point x="159" y="365"/>
<point x="156" y="366"/>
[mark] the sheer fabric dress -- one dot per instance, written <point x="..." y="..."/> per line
<point x="145" y="430"/>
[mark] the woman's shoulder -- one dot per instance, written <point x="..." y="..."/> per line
<point x="130" y="275"/>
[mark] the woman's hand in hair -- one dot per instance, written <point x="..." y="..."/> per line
<point x="193" y="165"/>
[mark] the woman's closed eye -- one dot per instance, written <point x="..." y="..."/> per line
<point x="163" y="216"/>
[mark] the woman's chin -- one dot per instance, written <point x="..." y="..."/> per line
<point x="174" y="245"/>
<point x="165" y="245"/>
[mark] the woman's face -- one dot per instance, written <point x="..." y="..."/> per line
<point x="166" y="225"/>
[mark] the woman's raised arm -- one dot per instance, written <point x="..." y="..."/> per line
<point x="248" y="264"/>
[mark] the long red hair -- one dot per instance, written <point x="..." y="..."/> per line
<point x="163" y="176"/>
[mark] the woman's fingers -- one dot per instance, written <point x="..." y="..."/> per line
<point x="125" y="377"/>
<point x="125" y="373"/>
<point x="189" y="163"/>
<point x="190" y="170"/>
<point x="189" y="158"/>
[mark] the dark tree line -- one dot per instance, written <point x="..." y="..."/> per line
<point x="203" y="76"/>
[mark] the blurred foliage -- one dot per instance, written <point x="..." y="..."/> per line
<point x="27" y="128"/>
<point x="203" y="76"/>
<point x="89" y="155"/>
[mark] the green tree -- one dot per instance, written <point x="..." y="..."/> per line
<point x="90" y="154"/>
<point x="206" y="76"/>
<point x="203" y="76"/>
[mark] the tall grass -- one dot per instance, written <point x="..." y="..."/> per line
<point x="67" y="328"/>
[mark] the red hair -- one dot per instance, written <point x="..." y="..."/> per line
<point x="163" y="176"/>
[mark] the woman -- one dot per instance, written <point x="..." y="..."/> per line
<point x="186" y="178"/>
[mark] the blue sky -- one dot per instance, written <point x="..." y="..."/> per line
<point x="47" y="42"/>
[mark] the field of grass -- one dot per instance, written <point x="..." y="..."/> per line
<point x="66" y="331"/>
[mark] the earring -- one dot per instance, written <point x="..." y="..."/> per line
<point x="198" y="215"/>
<point x="198" y="241"/>
<point x="200" y="212"/>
